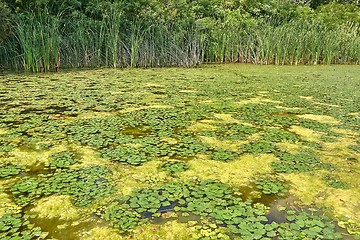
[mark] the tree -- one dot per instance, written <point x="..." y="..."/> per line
<point x="5" y="17"/>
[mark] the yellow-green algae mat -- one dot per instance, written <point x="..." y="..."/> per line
<point x="217" y="152"/>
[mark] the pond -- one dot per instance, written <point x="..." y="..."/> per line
<point x="217" y="152"/>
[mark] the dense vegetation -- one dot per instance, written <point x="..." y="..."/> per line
<point x="226" y="151"/>
<point x="44" y="35"/>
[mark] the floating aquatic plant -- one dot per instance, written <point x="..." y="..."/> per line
<point x="10" y="170"/>
<point x="18" y="226"/>
<point x="173" y="167"/>
<point x="271" y="186"/>
<point x="62" y="160"/>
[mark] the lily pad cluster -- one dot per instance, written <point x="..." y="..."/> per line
<point x="62" y="160"/>
<point x="121" y="218"/>
<point x="334" y="181"/>
<point x="223" y="155"/>
<point x="301" y="162"/>
<point x="6" y="146"/>
<point x="18" y="226"/>
<point x="10" y="170"/>
<point x="232" y="132"/>
<point x="84" y="185"/>
<point x="279" y="135"/>
<point x="223" y="212"/>
<point x="307" y="225"/>
<point x="174" y="167"/>
<point x="128" y="155"/>
<point x="259" y="147"/>
<point x="271" y="186"/>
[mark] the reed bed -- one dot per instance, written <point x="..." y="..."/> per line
<point x="41" y="42"/>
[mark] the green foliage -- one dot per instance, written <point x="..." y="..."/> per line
<point x="18" y="226"/>
<point x="355" y="148"/>
<point x="39" y="41"/>
<point x="337" y="14"/>
<point x="84" y="185"/>
<point x="62" y="160"/>
<point x="123" y="34"/>
<point x="5" y="16"/>
<point x="271" y="186"/>
<point x="279" y="135"/>
<point x="10" y="170"/>
<point x="6" y="146"/>
<point x="121" y="218"/>
<point x="304" y="225"/>
<point x="297" y="163"/>
<point x="334" y="182"/>
<point x="234" y="132"/>
<point x="173" y="167"/>
<point x="219" y="205"/>
<point x="260" y="147"/>
<point x="129" y="155"/>
<point x="223" y="155"/>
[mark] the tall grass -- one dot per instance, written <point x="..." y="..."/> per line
<point x="40" y="42"/>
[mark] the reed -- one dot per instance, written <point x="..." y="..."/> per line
<point x="40" y="41"/>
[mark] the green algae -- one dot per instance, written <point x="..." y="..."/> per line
<point x="153" y="126"/>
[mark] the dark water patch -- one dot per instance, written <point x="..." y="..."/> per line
<point x="66" y="229"/>
<point x="351" y="160"/>
<point x="39" y="169"/>
<point x="138" y="131"/>
<point x="54" y="109"/>
<point x="276" y="212"/>
<point x="285" y="114"/>
<point x="184" y="217"/>
<point x="159" y="92"/>
<point x="34" y="146"/>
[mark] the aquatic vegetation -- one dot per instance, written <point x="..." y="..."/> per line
<point x="18" y="226"/>
<point x="259" y="147"/>
<point x="121" y="218"/>
<point x="84" y="185"/>
<point x="211" y="149"/>
<point x="224" y="212"/>
<point x="6" y="146"/>
<point x="355" y="148"/>
<point x="223" y="155"/>
<point x="174" y="167"/>
<point x="297" y="163"/>
<point x="271" y="186"/>
<point x="279" y="135"/>
<point x="129" y="155"/>
<point x="333" y="181"/>
<point x="10" y="170"/>
<point x="62" y="160"/>
<point x="306" y="225"/>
